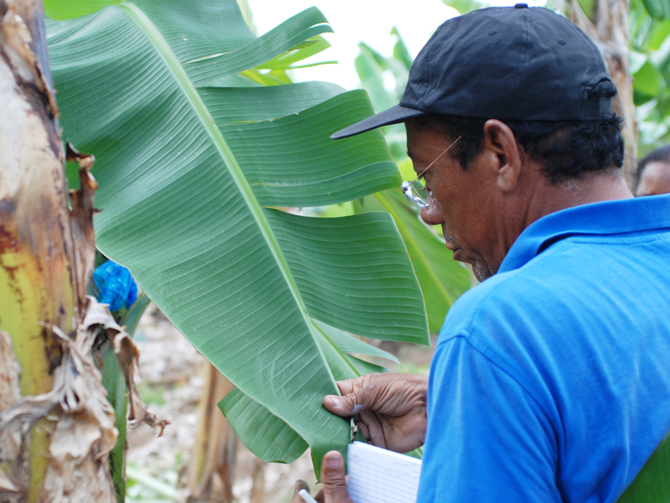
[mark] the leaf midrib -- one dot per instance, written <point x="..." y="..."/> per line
<point x="337" y="350"/>
<point x="205" y="117"/>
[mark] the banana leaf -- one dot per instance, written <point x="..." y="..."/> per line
<point x="400" y="50"/>
<point x="373" y="69"/>
<point x="193" y="159"/>
<point x="268" y="436"/>
<point x="652" y="484"/>
<point x="67" y="10"/>
<point x="442" y="279"/>
<point x="658" y="9"/>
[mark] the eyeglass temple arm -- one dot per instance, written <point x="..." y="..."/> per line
<point x="438" y="157"/>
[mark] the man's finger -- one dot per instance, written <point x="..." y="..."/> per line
<point x="364" y="429"/>
<point x="332" y="478"/>
<point x="357" y="395"/>
<point x="347" y="386"/>
<point x="376" y="431"/>
<point x="344" y="406"/>
<point x="296" y="489"/>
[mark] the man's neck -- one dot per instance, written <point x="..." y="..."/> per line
<point x="593" y="188"/>
<point x="543" y="198"/>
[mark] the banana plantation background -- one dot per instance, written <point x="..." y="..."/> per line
<point x="287" y="260"/>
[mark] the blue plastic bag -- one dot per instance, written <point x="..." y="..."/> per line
<point x="117" y="287"/>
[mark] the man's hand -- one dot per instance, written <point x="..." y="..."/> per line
<point x="332" y="477"/>
<point x="390" y="409"/>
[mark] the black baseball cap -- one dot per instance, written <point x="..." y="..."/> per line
<point x="514" y="63"/>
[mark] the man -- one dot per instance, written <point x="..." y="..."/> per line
<point x="550" y="380"/>
<point x="653" y="173"/>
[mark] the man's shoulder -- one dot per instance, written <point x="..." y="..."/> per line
<point x="464" y="312"/>
<point x="506" y="295"/>
<point x="573" y="283"/>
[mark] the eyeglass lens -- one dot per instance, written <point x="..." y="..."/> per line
<point x="415" y="192"/>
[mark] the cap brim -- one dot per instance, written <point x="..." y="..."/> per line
<point x="393" y="115"/>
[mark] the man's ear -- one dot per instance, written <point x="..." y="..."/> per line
<point x="499" y="141"/>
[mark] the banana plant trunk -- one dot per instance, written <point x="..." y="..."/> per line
<point x="55" y="423"/>
<point x="608" y="28"/>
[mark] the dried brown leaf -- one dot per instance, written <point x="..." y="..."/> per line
<point x="14" y="474"/>
<point x="81" y="219"/>
<point x="127" y="354"/>
<point x="17" y="420"/>
<point x="85" y="433"/>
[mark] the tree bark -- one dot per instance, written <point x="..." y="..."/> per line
<point x="56" y="425"/>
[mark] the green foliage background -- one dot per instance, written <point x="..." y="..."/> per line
<point x="200" y="141"/>
<point x="249" y="133"/>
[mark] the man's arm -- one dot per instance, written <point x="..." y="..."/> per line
<point x="488" y="440"/>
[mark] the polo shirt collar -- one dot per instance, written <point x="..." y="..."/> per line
<point x="606" y="218"/>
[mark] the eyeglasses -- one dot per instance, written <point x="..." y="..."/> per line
<point x="413" y="190"/>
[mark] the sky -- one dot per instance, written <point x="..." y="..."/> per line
<point x="354" y="21"/>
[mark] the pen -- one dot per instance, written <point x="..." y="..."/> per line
<point x="307" y="498"/>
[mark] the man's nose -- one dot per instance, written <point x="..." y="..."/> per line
<point x="431" y="214"/>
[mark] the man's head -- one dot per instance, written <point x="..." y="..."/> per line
<point x="528" y="94"/>
<point x="500" y="176"/>
<point x="653" y="173"/>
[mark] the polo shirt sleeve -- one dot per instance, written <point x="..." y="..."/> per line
<point x="487" y="440"/>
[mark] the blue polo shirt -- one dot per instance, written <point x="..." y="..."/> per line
<point x="551" y="380"/>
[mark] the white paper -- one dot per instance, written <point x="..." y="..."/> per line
<point x="380" y="476"/>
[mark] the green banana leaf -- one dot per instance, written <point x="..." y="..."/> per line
<point x="372" y="69"/>
<point x="302" y="51"/>
<point x="351" y="345"/>
<point x="115" y="383"/>
<point x="268" y="436"/>
<point x="650" y="66"/>
<point x="588" y="6"/>
<point x="370" y="72"/>
<point x="652" y="484"/>
<point x="465" y="6"/>
<point x="442" y="279"/>
<point x="263" y="433"/>
<point x="192" y="156"/>
<point x="400" y="50"/>
<point x="67" y="10"/>
<point x="658" y="9"/>
<point x="649" y="83"/>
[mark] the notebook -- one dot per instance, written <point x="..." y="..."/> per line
<point x="380" y="476"/>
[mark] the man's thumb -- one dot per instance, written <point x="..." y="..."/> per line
<point x="343" y="406"/>
<point x="332" y="478"/>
